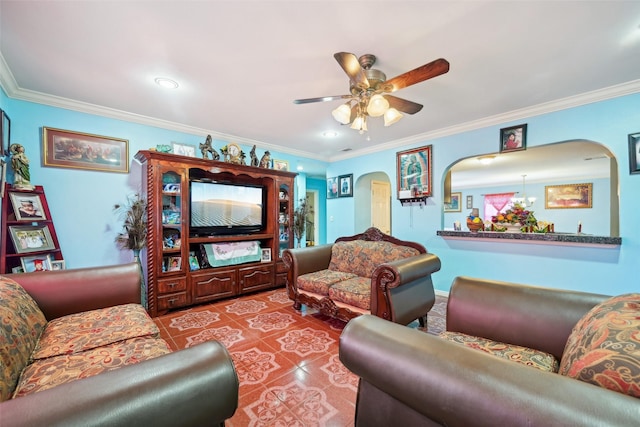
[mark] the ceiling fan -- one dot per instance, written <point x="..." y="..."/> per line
<point x="370" y="91"/>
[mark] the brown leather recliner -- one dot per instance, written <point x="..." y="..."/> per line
<point x="408" y="377"/>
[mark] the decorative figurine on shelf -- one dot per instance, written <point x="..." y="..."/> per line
<point x="243" y="158"/>
<point x="207" y="148"/>
<point x="265" y="161"/>
<point x="20" y="164"/>
<point x="163" y="148"/>
<point x="254" y="157"/>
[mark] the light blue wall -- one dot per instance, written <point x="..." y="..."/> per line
<point x="81" y="201"/>
<point x="605" y="270"/>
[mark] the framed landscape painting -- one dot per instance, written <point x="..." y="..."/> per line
<point x="76" y="150"/>
<point x="568" y="196"/>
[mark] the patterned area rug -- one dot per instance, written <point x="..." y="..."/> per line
<point x="287" y="360"/>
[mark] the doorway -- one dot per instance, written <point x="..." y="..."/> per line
<point x="372" y="192"/>
<point x="312" y="232"/>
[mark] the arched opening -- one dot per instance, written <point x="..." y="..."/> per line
<point x="372" y="193"/>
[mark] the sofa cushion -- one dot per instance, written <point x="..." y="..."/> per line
<point x="320" y="281"/>
<point x="53" y="371"/>
<point x="361" y="257"/>
<point x="90" y="329"/>
<point x="515" y="353"/>
<point x="21" y="323"/>
<point x="355" y="291"/>
<point x="604" y="346"/>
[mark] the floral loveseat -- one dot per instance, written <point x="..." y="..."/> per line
<point x="366" y="273"/>
<point x="77" y="348"/>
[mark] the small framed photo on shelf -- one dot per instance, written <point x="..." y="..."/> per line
<point x="280" y="165"/>
<point x="346" y="185"/>
<point x="57" y="264"/>
<point x="193" y="262"/>
<point x="27" y="206"/>
<point x="634" y="153"/>
<point x="174" y="263"/>
<point x="513" y="138"/>
<point x="17" y="270"/>
<point x="184" y="149"/>
<point x="454" y="206"/>
<point x="31" y="238"/>
<point x="35" y="263"/>
<point x="265" y="255"/>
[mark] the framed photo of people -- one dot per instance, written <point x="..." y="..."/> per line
<point x="35" y="263"/>
<point x="31" y="238"/>
<point x="414" y="172"/>
<point x="332" y="187"/>
<point x="513" y="138"/>
<point x="345" y="185"/>
<point x="27" y="206"/>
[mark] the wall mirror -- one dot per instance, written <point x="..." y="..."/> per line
<point x="528" y="173"/>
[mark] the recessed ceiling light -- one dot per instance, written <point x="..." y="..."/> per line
<point x="330" y="134"/>
<point x="166" y="83"/>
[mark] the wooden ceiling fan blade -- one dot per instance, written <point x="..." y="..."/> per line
<point x="321" y="99"/>
<point x="420" y="74"/>
<point x="350" y="64"/>
<point x="403" y="105"/>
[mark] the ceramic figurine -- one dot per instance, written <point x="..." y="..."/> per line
<point x="207" y="148"/>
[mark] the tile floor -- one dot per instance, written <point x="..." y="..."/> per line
<point x="287" y="361"/>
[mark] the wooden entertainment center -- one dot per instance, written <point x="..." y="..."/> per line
<point x="175" y="282"/>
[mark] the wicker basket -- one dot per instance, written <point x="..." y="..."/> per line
<point x="474" y="226"/>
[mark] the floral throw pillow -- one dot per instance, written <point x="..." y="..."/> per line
<point x="604" y="346"/>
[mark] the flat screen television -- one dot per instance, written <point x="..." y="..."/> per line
<point x="224" y="208"/>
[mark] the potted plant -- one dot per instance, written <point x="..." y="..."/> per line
<point x="300" y="220"/>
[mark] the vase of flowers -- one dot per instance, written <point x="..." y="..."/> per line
<point x="300" y="220"/>
<point x="134" y="235"/>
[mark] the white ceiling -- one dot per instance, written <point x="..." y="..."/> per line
<point x="240" y="64"/>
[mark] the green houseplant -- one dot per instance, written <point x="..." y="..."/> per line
<point x="300" y="220"/>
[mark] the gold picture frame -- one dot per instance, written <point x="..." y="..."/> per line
<point x="568" y="196"/>
<point x="77" y="150"/>
<point x="414" y="173"/>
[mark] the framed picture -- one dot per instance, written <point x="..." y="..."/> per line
<point x="3" y="176"/>
<point x="174" y="263"/>
<point x="469" y="202"/>
<point x="280" y="165"/>
<point x="513" y="138"/>
<point x="634" y="153"/>
<point x="568" y="196"/>
<point x="76" y="150"/>
<point x="34" y="263"/>
<point x="332" y="187"/>
<point x="5" y="133"/>
<point x="57" y="264"/>
<point x="193" y="262"/>
<point x="31" y="238"/>
<point x="184" y="149"/>
<point x="27" y="206"/>
<point x="454" y="206"/>
<point x="345" y="185"/>
<point x="16" y="270"/>
<point x="414" y="172"/>
<point x="265" y="255"/>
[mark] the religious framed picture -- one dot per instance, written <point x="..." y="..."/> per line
<point x="345" y="185"/>
<point x="31" y="238"/>
<point x="332" y="187"/>
<point x="513" y="138"/>
<point x="568" y="196"/>
<point x="76" y="150"/>
<point x="414" y="172"/>
<point x="34" y="263"/>
<point x="634" y="153"/>
<point x="454" y="206"/>
<point x="27" y="206"/>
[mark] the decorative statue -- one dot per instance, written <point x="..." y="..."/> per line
<point x="254" y="158"/>
<point x="225" y="153"/>
<point x="243" y="158"/>
<point x="265" y="161"/>
<point x="20" y="164"/>
<point x="207" y="147"/>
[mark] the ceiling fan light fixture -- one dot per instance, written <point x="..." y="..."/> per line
<point x="378" y="105"/>
<point x="391" y="116"/>
<point x="342" y="114"/>
<point x="360" y="124"/>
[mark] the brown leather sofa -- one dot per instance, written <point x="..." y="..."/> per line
<point x="370" y="272"/>
<point x="408" y="377"/>
<point x="192" y="387"/>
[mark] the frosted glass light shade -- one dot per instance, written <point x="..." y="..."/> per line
<point x="378" y="105"/>
<point x="359" y="124"/>
<point x="391" y="116"/>
<point x="342" y="114"/>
